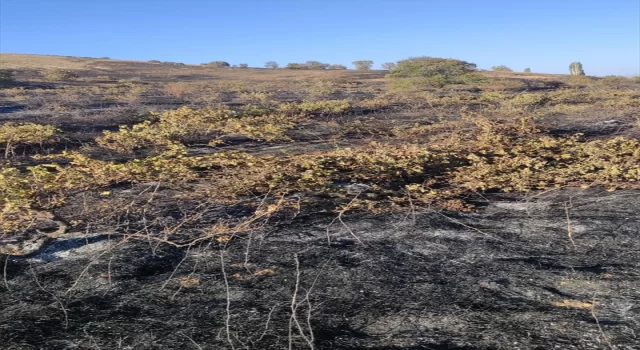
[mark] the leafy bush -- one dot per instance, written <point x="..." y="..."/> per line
<point x="6" y="78"/>
<point x="527" y="70"/>
<point x="501" y="68"/>
<point x="295" y="66"/>
<point x="576" y="68"/>
<point x="185" y="125"/>
<point x="60" y="75"/>
<point x="337" y="66"/>
<point x="219" y="64"/>
<point x="14" y="134"/>
<point x="423" y="72"/>
<point x="363" y="64"/>
<point x="316" y="65"/>
<point x="271" y="64"/>
<point x="243" y="65"/>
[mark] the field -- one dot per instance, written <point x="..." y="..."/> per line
<point x="160" y="206"/>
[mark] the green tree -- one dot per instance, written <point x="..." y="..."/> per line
<point x="576" y="68"/>
<point x="363" y="64"/>
<point x="295" y="66"/>
<point x="243" y="65"/>
<point x="271" y="65"/>
<point x="501" y="68"/>
<point x="388" y="65"/>
<point x="219" y="64"/>
<point x="418" y="73"/>
<point x="527" y="70"/>
<point x="316" y="65"/>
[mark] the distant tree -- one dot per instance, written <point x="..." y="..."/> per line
<point x="337" y="66"/>
<point x="576" y="68"/>
<point x="243" y="65"/>
<point x="219" y="64"/>
<point x="501" y="68"/>
<point x="271" y="64"/>
<point x="234" y="66"/>
<point x="363" y="64"/>
<point x="316" y="65"/>
<point x="527" y="70"/>
<point x="418" y="73"/>
<point x="154" y="61"/>
<point x="295" y="66"/>
<point x="388" y="65"/>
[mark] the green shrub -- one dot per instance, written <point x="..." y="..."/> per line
<point x="527" y="70"/>
<point x="243" y="65"/>
<point x="271" y="64"/>
<point x="501" y="68"/>
<point x="363" y="64"/>
<point x="219" y="64"/>
<point x="316" y="65"/>
<point x="424" y="72"/>
<point x="295" y="66"/>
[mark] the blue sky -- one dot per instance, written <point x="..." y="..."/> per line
<point x="545" y="35"/>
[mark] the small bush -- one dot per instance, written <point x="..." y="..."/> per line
<point x="295" y="66"/>
<point x="219" y="64"/>
<point x="271" y="65"/>
<point x="243" y="65"/>
<point x="501" y="68"/>
<point x="363" y="64"/>
<point x="316" y="65"/>
<point x="14" y="134"/>
<point x="60" y="75"/>
<point x="527" y="70"/>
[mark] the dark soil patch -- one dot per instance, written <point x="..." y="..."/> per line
<point x="507" y="277"/>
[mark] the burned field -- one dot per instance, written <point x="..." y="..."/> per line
<point x="151" y="206"/>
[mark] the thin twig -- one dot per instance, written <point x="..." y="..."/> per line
<point x="4" y="274"/>
<point x="192" y="341"/>
<point x="294" y="309"/>
<point x="186" y="255"/>
<point x="266" y="325"/>
<point x="339" y="218"/>
<point x="228" y="308"/>
<point x="595" y="317"/>
<point x="569" y="227"/>
<point x="64" y="311"/>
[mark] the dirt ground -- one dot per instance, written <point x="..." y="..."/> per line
<point x="508" y="277"/>
<point x="554" y="269"/>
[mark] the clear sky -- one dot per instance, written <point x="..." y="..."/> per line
<point x="545" y="35"/>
